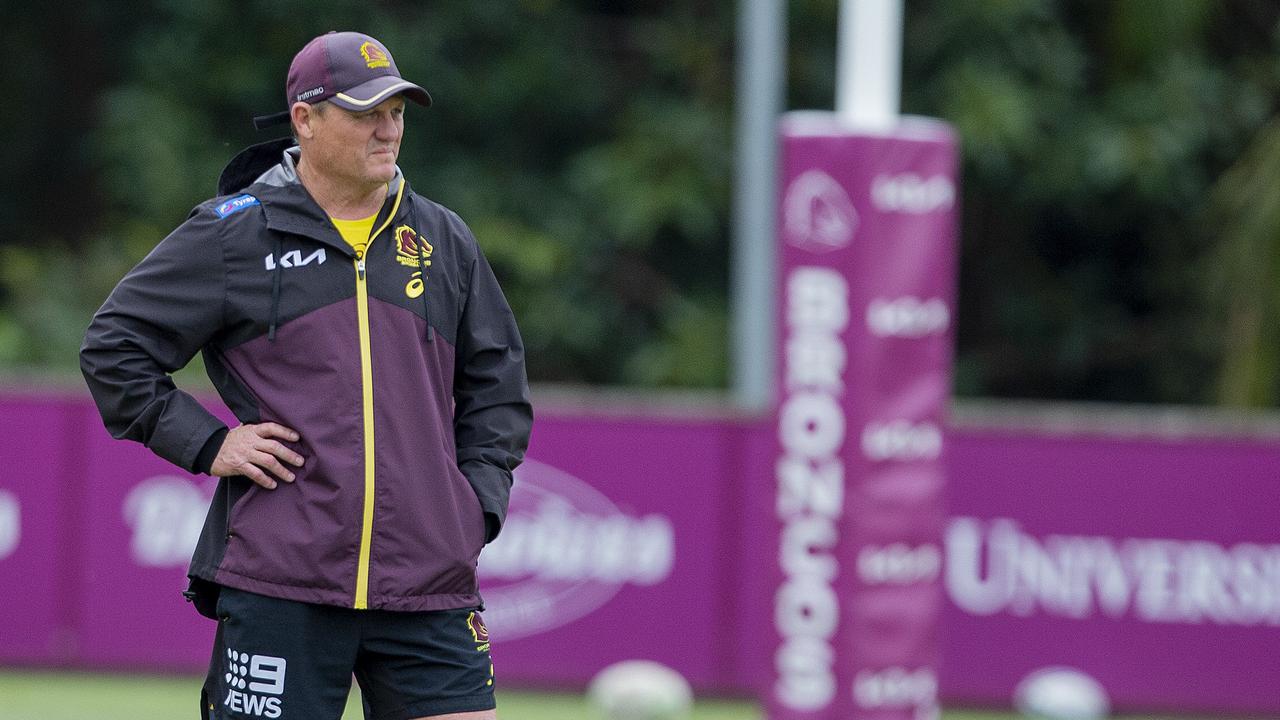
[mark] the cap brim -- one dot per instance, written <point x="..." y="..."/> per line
<point x="368" y="94"/>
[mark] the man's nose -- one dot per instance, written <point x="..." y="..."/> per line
<point x="387" y="129"/>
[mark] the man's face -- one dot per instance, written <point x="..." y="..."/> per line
<point x="357" y="149"/>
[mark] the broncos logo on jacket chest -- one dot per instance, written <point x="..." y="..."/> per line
<point x="413" y="250"/>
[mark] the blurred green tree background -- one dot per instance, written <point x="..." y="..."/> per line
<point x="1121" y="225"/>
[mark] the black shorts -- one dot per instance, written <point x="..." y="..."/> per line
<point x="286" y="660"/>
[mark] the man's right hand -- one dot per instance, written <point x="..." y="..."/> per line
<point x="250" y="450"/>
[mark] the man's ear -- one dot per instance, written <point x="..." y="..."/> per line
<point x="301" y="115"/>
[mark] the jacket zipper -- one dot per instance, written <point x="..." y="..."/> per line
<point x="361" y="601"/>
<point x="366" y="386"/>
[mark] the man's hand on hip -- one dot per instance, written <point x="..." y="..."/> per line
<point x="250" y="450"/>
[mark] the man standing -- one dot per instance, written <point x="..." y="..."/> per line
<point x="357" y="332"/>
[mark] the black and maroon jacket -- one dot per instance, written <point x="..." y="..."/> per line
<point x="412" y="405"/>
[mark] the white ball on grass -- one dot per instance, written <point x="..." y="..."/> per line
<point x="1061" y="693"/>
<point x="640" y="690"/>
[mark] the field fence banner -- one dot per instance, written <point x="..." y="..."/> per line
<point x="1146" y="568"/>
<point x="37" y="509"/>
<point x="1144" y="573"/>
<point x="866" y="300"/>
<point x="141" y="519"/>
<point x="619" y="544"/>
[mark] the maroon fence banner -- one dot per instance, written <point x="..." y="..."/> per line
<point x="38" y="509"/>
<point x="1150" y="565"/>
<point x="620" y="543"/>
<point x="140" y="523"/>
<point x="867" y="232"/>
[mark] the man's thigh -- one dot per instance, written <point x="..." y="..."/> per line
<point x="279" y="659"/>
<point x="426" y="664"/>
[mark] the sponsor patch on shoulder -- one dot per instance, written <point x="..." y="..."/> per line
<point x="235" y="205"/>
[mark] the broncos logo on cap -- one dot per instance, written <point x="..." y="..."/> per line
<point x="374" y="56"/>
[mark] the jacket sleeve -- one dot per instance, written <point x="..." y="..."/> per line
<point x="153" y="323"/>
<point x="492" y="415"/>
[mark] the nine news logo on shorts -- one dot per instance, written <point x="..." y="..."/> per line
<point x="254" y="684"/>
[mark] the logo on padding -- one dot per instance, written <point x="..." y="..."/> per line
<point x="817" y="214"/>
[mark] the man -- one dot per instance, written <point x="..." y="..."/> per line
<point x="357" y="332"/>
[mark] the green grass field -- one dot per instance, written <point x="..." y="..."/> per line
<point x="28" y="695"/>
<point x="79" y="696"/>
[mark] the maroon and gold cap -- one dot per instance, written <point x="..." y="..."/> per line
<point x="350" y="70"/>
